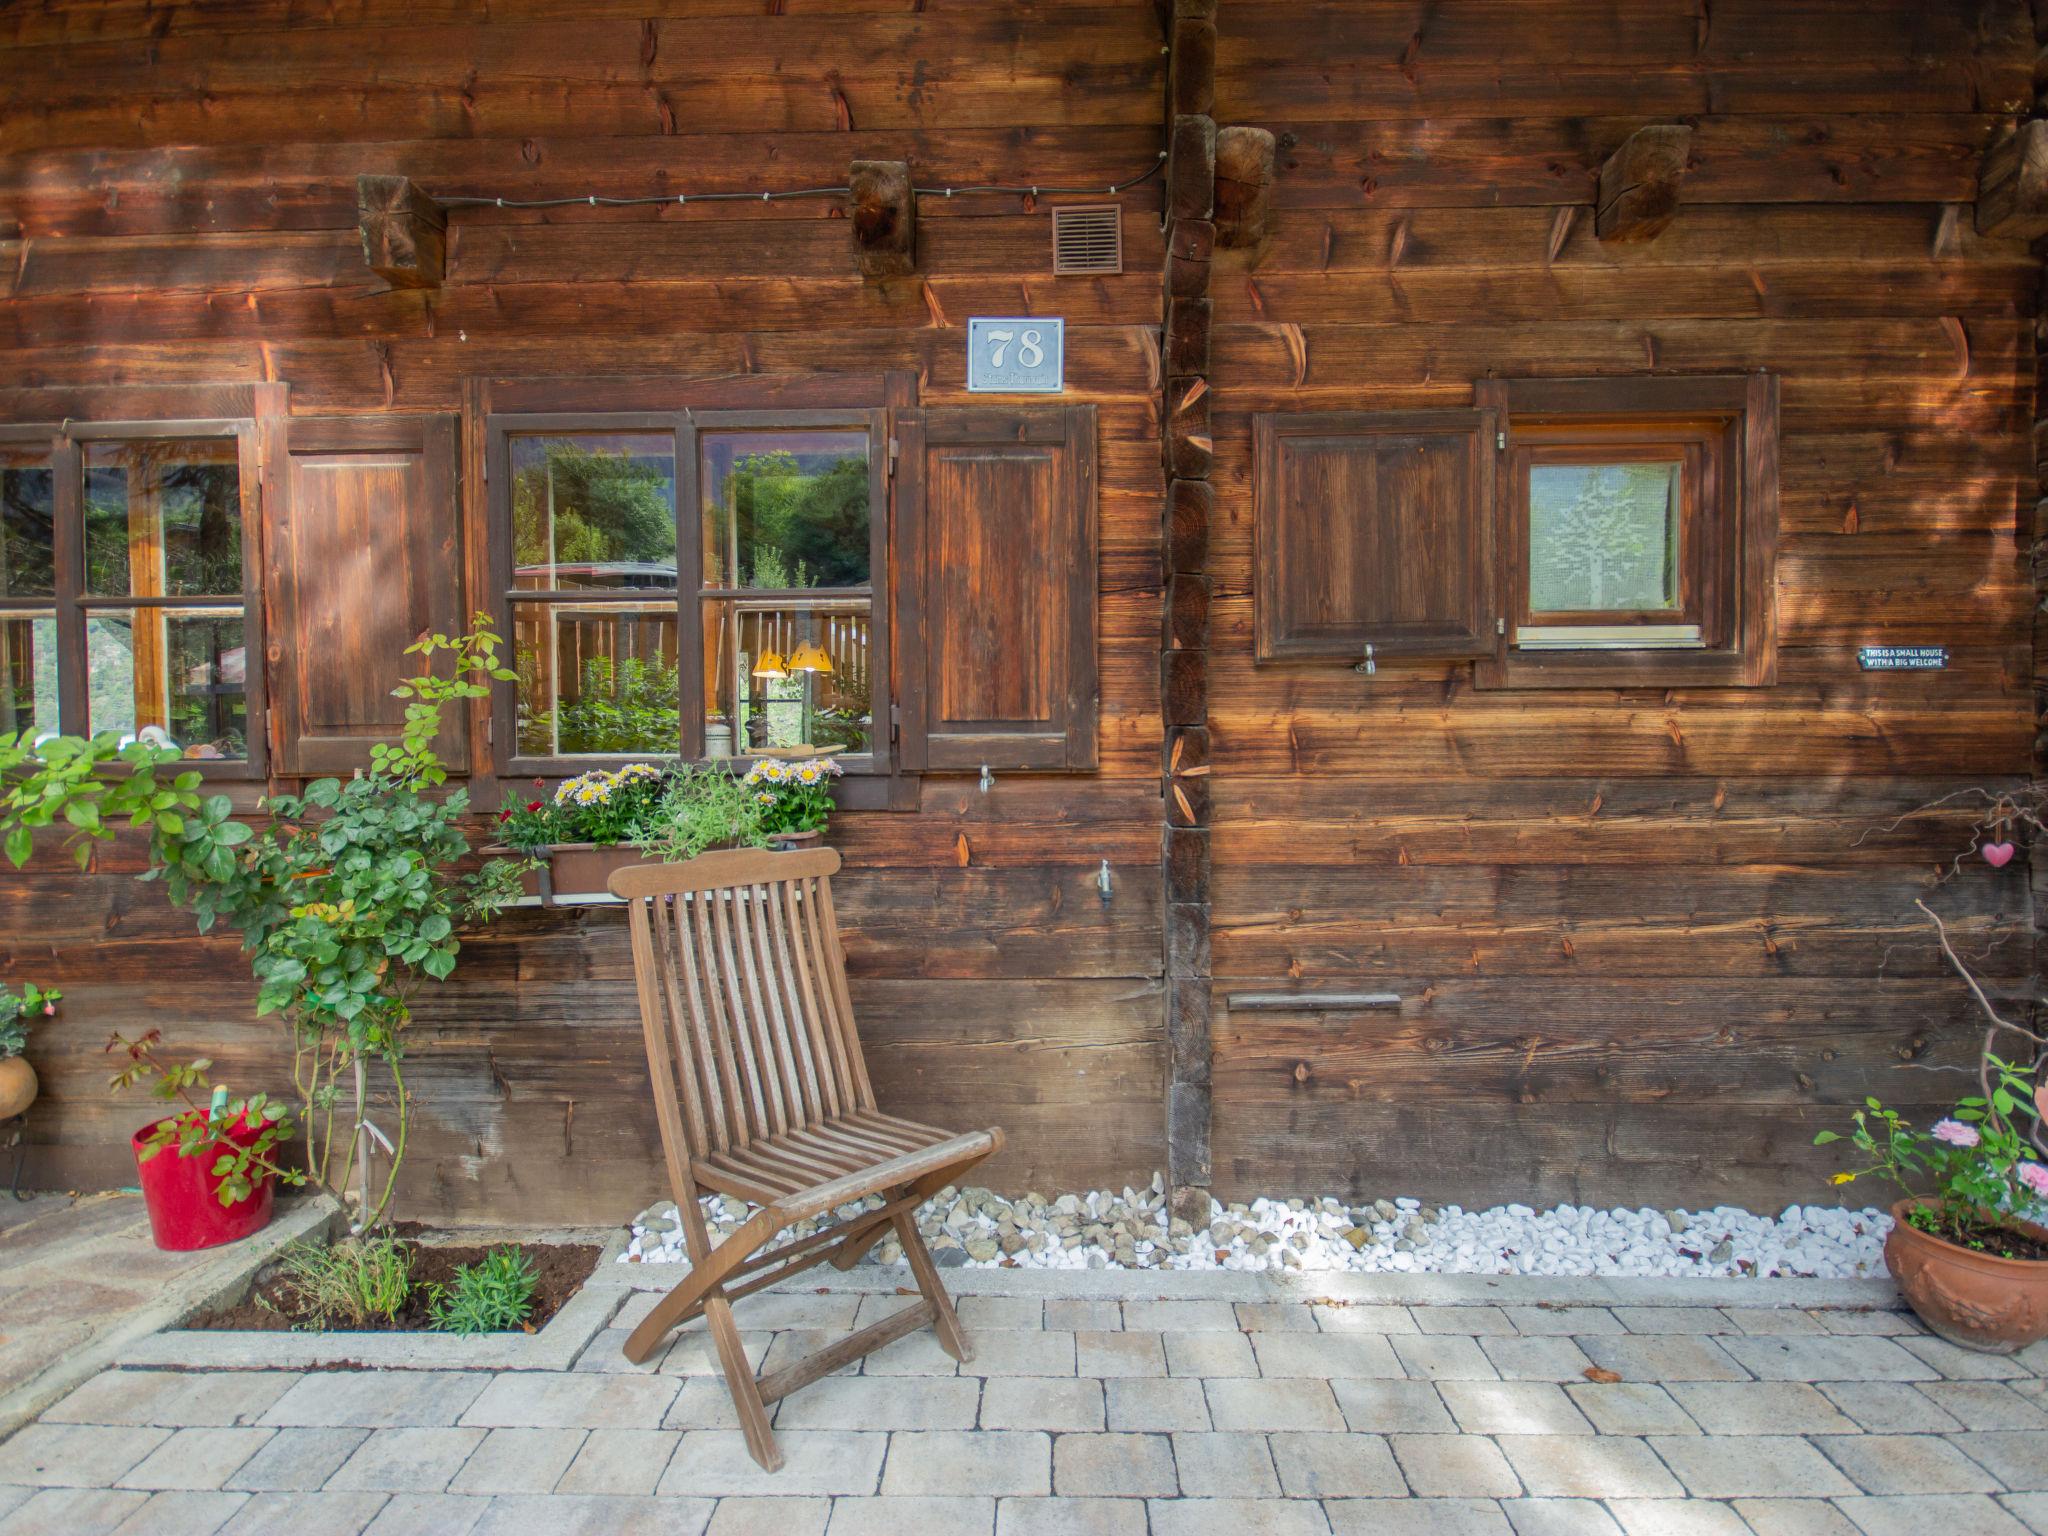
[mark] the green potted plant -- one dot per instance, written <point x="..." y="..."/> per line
<point x="1963" y="1249"/>
<point x="585" y="828"/>
<point x="219" y="1183"/>
<point x="18" y="1086"/>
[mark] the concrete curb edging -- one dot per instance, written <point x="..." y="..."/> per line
<point x="1876" y="1294"/>
<point x="554" y="1348"/>
<point x="211" y="1286"/>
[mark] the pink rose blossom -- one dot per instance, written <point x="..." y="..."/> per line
<point x="2035" y="1177"/>
<point x="49" y="1010"/>
<point x="1955" y="1133"/>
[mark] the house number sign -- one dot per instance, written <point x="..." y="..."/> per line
<point x="1903" y="658"/>
<point x="1024" y="355"/>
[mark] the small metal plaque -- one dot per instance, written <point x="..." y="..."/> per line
<point x="1902" y="658"/>
<point x="1025" y="355"/>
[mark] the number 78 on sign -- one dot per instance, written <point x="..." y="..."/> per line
<point x="1021" y="355"/>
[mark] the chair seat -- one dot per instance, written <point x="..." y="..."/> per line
<point x="864" y="1148"/>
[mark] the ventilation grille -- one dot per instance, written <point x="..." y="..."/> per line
<point x="1088" y="239"/>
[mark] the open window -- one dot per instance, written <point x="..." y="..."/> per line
<point x="128" y="585"/>
<point x="1637" y="527"/>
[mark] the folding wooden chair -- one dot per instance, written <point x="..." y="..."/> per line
<point x="762" y="1093"/>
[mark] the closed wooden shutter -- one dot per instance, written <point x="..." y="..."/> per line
<point x="995" y="581"/>
<point x="1374" y="530"/>
<point x="364" y="552"/>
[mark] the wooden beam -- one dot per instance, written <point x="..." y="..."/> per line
<point x="1639" y="183"/>
<point x="1245" y="158"/>
<point x="405" y="232"/>
<point x="884" y="218"/>
<point x="1190" y="247"/>
<point x="1191" y="66"/>
<point x="1187" y="337"/>
<point x="1191" y="168"/>
<point x="2012" y="185"/>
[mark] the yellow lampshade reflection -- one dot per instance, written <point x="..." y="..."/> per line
<point x="770" y="665"/>
<point x="808" y="657"/>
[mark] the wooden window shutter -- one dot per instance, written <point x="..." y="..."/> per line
<point x="995" y="566"/>
<point x="1374" y="530"/>
<point x="365" y="555"/>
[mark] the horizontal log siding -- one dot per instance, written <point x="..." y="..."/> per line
<point x="1646" y="942"/>
<point x="177" y="202"/>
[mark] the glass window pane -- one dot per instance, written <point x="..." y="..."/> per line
<point x="163" y="518"/>
<point x="596" y="681"/>
<point x="787" y="675"/>
<point x="28" y="512"/>
<point x="594" y="510"/>
<point x="28" y="673"/>
<point x="785" y="509"/>
<point x="1603" y="537"/>
<point x="179" y="672"/>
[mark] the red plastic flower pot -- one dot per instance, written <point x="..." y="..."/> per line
<point x="183" y="1196"/>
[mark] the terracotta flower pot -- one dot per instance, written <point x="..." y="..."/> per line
<point x="17" y="1086"/>
<point x="784" y="842"/>
<point x="1991" y="1305"/>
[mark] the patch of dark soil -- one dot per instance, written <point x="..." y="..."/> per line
<point x="273" y="1307"/>
<point x="1993" y="1238"/>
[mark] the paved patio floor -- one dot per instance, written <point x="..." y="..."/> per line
<point x="1166" y="1410"/>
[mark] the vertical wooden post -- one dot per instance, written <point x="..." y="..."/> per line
<point x="1188" y="450"/>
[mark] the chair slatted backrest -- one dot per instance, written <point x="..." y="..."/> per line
<point x="743" y="996"/>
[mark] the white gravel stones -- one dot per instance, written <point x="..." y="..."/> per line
<point x="1132" y="1230"/>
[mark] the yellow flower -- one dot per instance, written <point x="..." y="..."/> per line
<point x="1843" y="1178"/>
<point x="808" y="774"/>
<point x="765" y="797"/>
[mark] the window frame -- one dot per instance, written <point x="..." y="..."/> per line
<point x="66" y="440"/>
<point x="1723" y="431"/>
<point x="684" y="424"/>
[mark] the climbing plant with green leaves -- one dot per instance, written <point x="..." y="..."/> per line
<point x="347" y="897"/>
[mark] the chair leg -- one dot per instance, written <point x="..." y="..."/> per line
<point x="701" y="1284"/>
<point x="739" y="1381"/>
<point x="944" y="1323"/>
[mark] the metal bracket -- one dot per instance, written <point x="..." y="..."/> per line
<point x="988" y="780"/>
<point x="1367" y="666"/>
<point x="1104" y="884"/>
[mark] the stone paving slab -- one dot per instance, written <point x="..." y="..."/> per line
<point x="85" y="1281"/>
<point x="1133" y="1409"/>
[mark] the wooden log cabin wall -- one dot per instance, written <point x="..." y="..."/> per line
<point x="1641" y="940"/>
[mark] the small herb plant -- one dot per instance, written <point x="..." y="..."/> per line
<point x="493" y="1295"/>
<point x="17" y="1008"/>
<point x="199" y="1129"/>
<point x="357" y="1282"/>
<point x="702" y="808"/>
<point x="794" y="795"/>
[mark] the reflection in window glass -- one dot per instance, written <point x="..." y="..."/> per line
<point x="163" y="518"/>
<point x="179" y="671"/>
<point x="28" y="511"/>
<point x="1603" y="537"/>
<point x="593" y="510"/>
<point x="28" y="673"/>
<point x="785" y="509"/>
<point x="787" y="675"/>
<point x="596" y="681"/>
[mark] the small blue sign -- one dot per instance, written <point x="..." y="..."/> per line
<point x="1025" y="355"/>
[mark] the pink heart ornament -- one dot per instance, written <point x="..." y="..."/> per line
<point x="1997" y="855"/>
